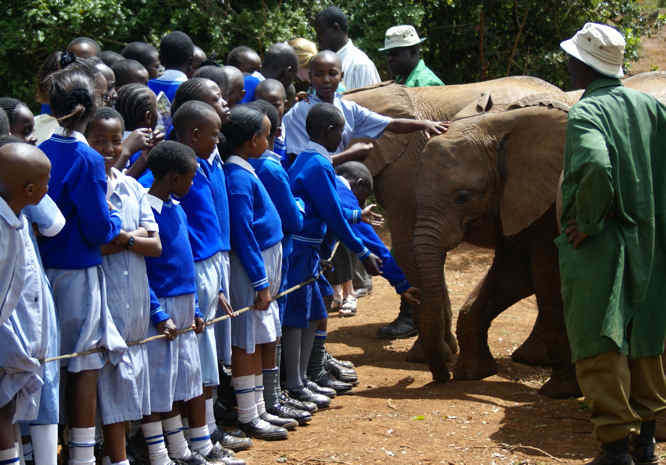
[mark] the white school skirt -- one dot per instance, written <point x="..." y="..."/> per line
<point x="174" y="366"/>
<point x="255" y="326"/>
<point x="223" y="328"/>
<point x="84" y="317"/>
<point x="209" y="278"/>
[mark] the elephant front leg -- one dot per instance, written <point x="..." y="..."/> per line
<point x="506" y="283"/>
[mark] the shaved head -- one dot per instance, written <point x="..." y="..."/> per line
<point x="24" y="176"/>
<point x="326" y="56"/>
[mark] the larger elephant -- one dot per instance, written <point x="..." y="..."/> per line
<point x="434" y="201"/>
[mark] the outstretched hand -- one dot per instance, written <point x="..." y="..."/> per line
<point x="435" y="128"/>
<point x="574" y="236"/>
<point x="370" y="217"/>
<point x="412" y="295"/>
<point x="373" y="264"/>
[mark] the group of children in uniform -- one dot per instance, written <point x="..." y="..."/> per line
<point x="151" y="209"/>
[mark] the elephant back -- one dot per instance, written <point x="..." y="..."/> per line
<point x="653" y="83"/>
<point x="395" y="101"/>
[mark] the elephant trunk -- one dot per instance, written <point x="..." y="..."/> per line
<point x="433" y="316"/>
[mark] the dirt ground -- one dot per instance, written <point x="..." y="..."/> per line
<point x="398" y="416"/>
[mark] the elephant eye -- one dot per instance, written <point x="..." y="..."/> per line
<point x="462" y="196"/>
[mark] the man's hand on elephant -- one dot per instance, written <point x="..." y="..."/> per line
<point x="373" y="264"/>
<point x="370" y="217"/>
<point x="435" y="128"/>
<point x="359" y="150"/>
<point x="412" y="295"/>
<point x="574" y="235"/>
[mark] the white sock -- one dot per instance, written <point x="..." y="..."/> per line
<point x="45" y="444"/>
<point x="154" y="437"/>
<point x="210" y="416"/>
<point x="82" y="446"/>
<point x="176" y="443"/>
<point x="200" y="440"/>
<point x="259" y="394"/>
<point x="123" y="462"/>
<point x="245" y="398"/>
<point x="186" y="427"/>
<point x="9" y="456"/>
<point x="27" y="451"/>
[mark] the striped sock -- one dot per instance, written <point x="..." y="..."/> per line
<point x="176" y="443"/>
<point x="154" y="437"/>
<point x="200" y="440"/>
<point x="259" y="394"/>
<point x="245" y="398"/>
<point x="9" y="456"/>
<point x="82" y="446"/>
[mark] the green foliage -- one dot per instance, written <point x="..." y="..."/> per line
<point x="467" y="40"/>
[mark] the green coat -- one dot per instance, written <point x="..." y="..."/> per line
<point x="421" y="76"/>
<point x="614" y="186"/>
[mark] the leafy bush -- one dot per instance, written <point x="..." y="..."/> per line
<point x="467" y="40"/>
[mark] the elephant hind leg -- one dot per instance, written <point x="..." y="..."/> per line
<point x="507" y="282"/>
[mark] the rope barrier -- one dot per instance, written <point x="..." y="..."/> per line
<point x="187" y="330"/>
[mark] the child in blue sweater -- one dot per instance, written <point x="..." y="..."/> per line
<point x="312" y="178"/>
<point x="256" y="260"/>
<point x="73" y="257"/>
<point x="291" y="210"/>
<point x="197" y="125"/>
<point x="176" y="53"/>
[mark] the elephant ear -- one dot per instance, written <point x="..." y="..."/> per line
<point x="481" y="105"/>
<point x="395" y="101"/>
<point x="530" y="155"/>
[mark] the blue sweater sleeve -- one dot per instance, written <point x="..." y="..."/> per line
<point x="390" y="269"/>
<point x="276" y="182"/>
<point x="157" y="314"/>
<point x="243" y="241"/>
<point x="98" y="225"/>
<point x="352" y="215"/>
<point x="323" y="195"/>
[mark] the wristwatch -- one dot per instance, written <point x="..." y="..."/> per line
<point x="130" y="242"/>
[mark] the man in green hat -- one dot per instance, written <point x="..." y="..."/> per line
<point x="402" y="46"/>
<point x="612" y="247"/>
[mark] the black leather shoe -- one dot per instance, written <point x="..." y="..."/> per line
<point x="194" y="459"/>
<point x="344" y="363"/>
<point x="228" y="441"/>
<point x="304" y="394"/>
<point x="328" y="381"/>
<point x="288" y="401"/>
<point x="643" y="445"/>
<point x="400" y="328"/>
<point x="261" y="429"/>
<point x="614" y="453"/>
<point x="219" y="455"/>
<point x="287" y="423"/>
<point x="317" y="389"/>
<point x="301" y="416"/>
<point x="344" y="374"/>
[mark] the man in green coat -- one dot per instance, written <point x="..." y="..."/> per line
<point x="612" y="247"/>
<point x="402" y="46"/>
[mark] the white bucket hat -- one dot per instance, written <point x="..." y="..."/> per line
<point x="599" y="46"/>
<point x="400" y="36"/>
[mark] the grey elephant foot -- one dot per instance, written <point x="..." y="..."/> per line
<point x="475" y="369"/>
<point x="416" y="354"/>
<point x="532" y="352"/>
<point x="562" y="385"/>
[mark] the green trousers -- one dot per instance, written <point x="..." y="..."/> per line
<point x="621" y="392"/>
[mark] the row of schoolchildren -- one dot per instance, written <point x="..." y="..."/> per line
<point x="214" y="223"/>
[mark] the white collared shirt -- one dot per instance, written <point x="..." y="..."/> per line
<point x="156" y="203"/>
<point x="75" y="134"/>
<point x="173" y="75"/>
<point x="236" y="160"/>
<point x="312" y="146"/>
<point x="358" y="68"/>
